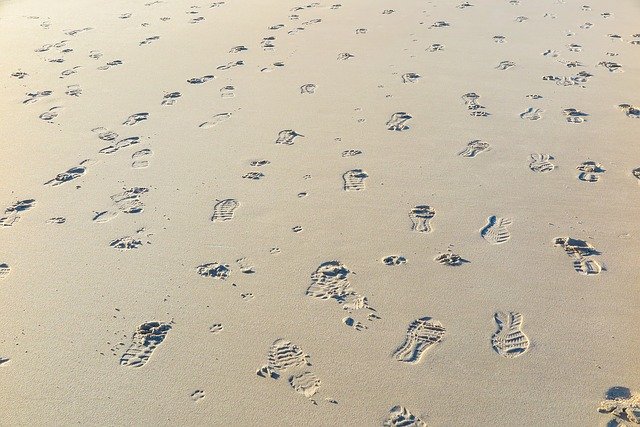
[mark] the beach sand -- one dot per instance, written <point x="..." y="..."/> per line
<point x="278" y="213"/>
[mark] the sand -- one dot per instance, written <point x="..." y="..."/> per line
<point x="275" y="213"/>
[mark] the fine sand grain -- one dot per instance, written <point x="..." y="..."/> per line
<point x="276" y="213"/>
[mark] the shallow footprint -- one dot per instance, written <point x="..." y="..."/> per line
<point x="474" y="148"/>
<point x="575" y="116"/>
<point x="421" y="216"/>
<point x="224" y="210"/>
<point x="509" y="340"/>
<point x="496" y="231"/>
<point x="135" y="119"/>
<point x="532" y="114"/>
<point x="421" y="334"/>
<point x="286" y="137"/>
<point x="541" y="163"/>
<point x="215" y="120"/>
<point x="4" y="270"/>
<point x="354" y="180"/>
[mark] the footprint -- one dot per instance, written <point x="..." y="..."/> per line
<point x="19" y="74"/>
<point x="12" y="212"/>
<point x="630" y="110"/>
<point x="197" y="395"/>
<point x="613" y="67"/>
<point x="227" y="92"/>
<point x="253" y="175"/>
<point x="624" y="406"/>
<point x="140" y="158"/>
<point x="353" y="323"/>
<point x="421" y="216"/>
<point x="33" y="97"/>
<point x="344" y="56"/>
<point x="410" y="77"/>
<point x="532" y="114"/>
<point x="126" y="243"/>
<point x="105" y="134"/>
<point x="636" y="173"/>
<point x="127" y="202"/>
<point x="237" y="49"/>
<point x="541" y="163"/>
<point x="308" y="88"/>
<point x="397" y="121"/>
<point x="4" y="270"/>
<point x="224" y="210"/>
<point x="496" y="231"/>
<point x="499" y="39"/>
<point x="216" y="328"/>
<point x="73" y="90"/>
<point x="110" y="64"/>
<point x="247" y="296"/>
<point x="331" y="281"/>
<point x="505" y="65"/>
<point x="69" y="72"/>
<point x="57" y="220"/>
<point x="439" y="24"/>
<point x="123" y="143"/>
<point x="149" y="40"/>
<point x="215" y="120"/>
<point x="581" y="252"/>
<point x="354" y="180"/>
<point x="214" y="270"/>
<point x="70" y="174"/>
<point x="474" y="148"/>
<point x="575" y="116"/>
<point x="351" y="153"/>
<point x="399" y="416"/>
<point x="229" y="65"/>
<point x="245" y="266"/>
<point x="286" y="137"/>
<point x="509" y="340"/>
<point x="394" y="260"/>
<point x="259" y="163"/>
<point x="436" y="47"/>
<point x="200" y="80"/>
<point x="135" y="119"/>
<point x="170" y="98"/>
<point x="306" y="383"/>
<point x="421" y="334"/>
<point x="283" y="355"/>
<point x="590" y="171"/>
<point x="471" y="101"/>
<point x="145" y="340"/>
<point x="450" y="259"/>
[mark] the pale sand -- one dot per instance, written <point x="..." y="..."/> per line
<point x="71" y="302"/>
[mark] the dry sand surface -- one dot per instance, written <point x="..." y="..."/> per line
<point x="277" y="213"/>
